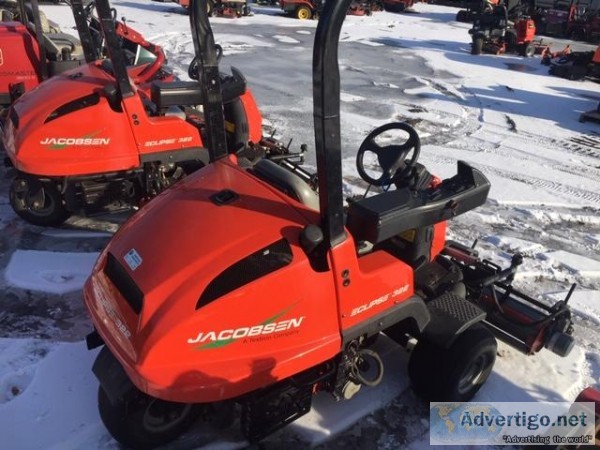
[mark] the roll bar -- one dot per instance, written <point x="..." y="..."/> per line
<point x="39" y="32"/>
<point x="326" y="101"/>
<point x="115" y="53"/>
<point x="90" y="50"/>
<point x="210" y="83"/>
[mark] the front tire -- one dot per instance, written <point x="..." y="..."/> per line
<point x="455" y="373"/>
<point x="303" y="13"/>
<point x="38" y="202"/>
<point x="142" y="422"/>
<point x="477" y="46"/>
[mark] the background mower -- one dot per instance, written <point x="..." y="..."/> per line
<point x="222" y="8"/>
<point x="214" y="319"/>
<point x="311" y="9"/>
<point x="473" y="9"/>
<point x="38" y="49"/>
<point x="133" y="139"/>
<point x="493" y="32"/>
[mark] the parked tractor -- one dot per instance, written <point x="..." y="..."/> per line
<point x="494" y="33"/>
<point x="222" y="8"/>
<point x="311" y="9"/>
<point x="475" y="8"/>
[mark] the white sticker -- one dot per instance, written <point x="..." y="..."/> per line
<point x="133" y="259"/>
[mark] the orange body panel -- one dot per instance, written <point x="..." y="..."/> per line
<point x="368" y="285"/>
<point x="254" y="117"/>
<point x="19" y="57"/>
<point x="525" y="30"/>
<point x="168" y="349"/>
<point x="439" y="239"/>
<point x="95" y="139"/>
<point x="596" y="57"/>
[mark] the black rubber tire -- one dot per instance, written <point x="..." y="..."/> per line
<point x="477" y="46"/>
<point x="455" y="373"/>
<point x="461" y="16"/>
<point x="529" y="50"/>
<point x="303" y="13"/>
<point x="52" y="214"/>
<point x="510" y="39"/>
<point x="126" y="421"/>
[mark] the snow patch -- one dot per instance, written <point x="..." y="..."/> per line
<point x="541" y="377"/>
<point x="57" y="273"/>
<point x="58" y="408"/>
<point x="578" y="264"/>
<point x="386" y="85"/>
<point x="286" y="39"/>
<point x="345" y="97"/>
<point x="583" y="302"/>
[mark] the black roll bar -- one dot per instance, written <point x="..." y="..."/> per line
<point x="210" y="83"/>
<point x="326" y="100"/>
<point x="83" y="29"/>
<point x="39" y="33"/>
<point x="115" y="53"/>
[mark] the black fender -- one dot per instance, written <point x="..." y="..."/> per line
<point x="451" y="314"/>
<point x="111" y="375"/>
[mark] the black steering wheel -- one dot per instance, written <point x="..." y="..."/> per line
<point x="193" y="68"/>
<point x="391" y="158"/>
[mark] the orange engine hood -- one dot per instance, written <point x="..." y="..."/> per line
<point x="171" y="250"/>
<point x="65" y="126"/>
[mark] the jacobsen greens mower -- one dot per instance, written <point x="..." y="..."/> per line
<point x="262" y="289"/>
<point x="31" y="50"/>
<point x="112" y="133"/>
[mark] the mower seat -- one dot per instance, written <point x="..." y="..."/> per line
<point x="57" y="43"/>
<point x="188" y="93"/>
<point x="287" y="182"/>
<point x="380" y="217"/>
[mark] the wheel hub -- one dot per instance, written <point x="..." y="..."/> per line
<point x="160" y="416"/>
<point x="472" y="374"/>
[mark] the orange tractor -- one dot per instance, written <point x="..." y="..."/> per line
<point x="492" y="32"/>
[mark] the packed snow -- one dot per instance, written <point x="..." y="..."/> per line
<point x="503" y="114"/>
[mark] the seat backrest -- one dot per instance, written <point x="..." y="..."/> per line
<point x="56" y="42"/>
<point x="287" y="182"/>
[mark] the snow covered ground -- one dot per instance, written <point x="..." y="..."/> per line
<point x="544" y="203"/>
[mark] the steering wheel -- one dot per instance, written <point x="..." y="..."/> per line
<point x="391" y="158"/>
<point x="193" y="69"/>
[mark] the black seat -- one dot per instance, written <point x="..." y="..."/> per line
<point x="189" y="93"/>
<point x="287" y="182"/>
<point x="380" y="217"/>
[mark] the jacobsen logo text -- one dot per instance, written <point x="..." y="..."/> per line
<point x="244" y="332"/>
<point x="75" y="141"/>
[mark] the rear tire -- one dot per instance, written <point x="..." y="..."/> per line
<point x="137" y="421"/>
<point x="22" y="199"/>
<point x="477" y="46"/>
<point x="461" y="16"/>
<point x="455" y="373"/>
<point x="510" y="41"/>
<point x="303" y="13"/>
